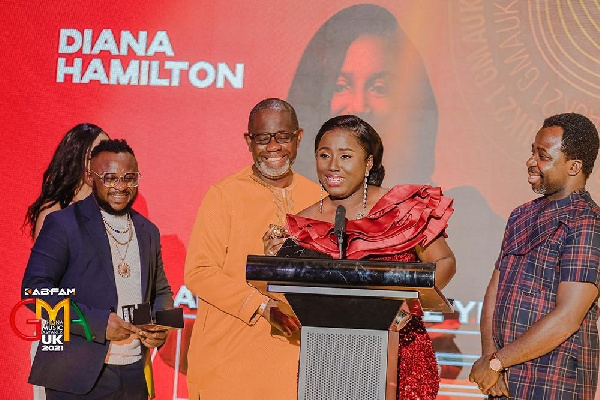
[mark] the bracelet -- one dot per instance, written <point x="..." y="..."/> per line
<point x="263" y="306"/>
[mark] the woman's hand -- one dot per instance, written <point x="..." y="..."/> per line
<point x="439" y="252"/>
<point x="273" y="239"/>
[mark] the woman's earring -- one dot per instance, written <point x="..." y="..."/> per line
<point x="321" y="200"/>
<point x="365" y="192"/>
<point x="363" y="212"/>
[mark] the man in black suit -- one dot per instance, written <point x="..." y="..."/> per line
<point x="111" y="256"/>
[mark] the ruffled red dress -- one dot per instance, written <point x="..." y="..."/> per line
<point x="406" y="216"/>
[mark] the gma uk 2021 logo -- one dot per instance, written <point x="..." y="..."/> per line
<point x="52" y="328"/>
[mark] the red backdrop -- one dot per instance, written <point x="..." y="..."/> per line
<point x="495" y="70"/>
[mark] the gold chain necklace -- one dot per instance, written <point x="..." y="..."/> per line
<point x="112" y="228"/>
<point x="123" y="268"/>
<point x="113" y="236"/>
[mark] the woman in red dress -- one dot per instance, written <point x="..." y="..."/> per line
<point x="405" y="223"/>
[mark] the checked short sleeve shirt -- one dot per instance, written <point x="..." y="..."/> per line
<point x="545" y="243"/>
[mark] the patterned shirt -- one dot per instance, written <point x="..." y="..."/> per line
<point x="547" y="242"/>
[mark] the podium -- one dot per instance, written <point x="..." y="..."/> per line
<point x="346" y="308"/>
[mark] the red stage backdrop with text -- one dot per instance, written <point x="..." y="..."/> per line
<point x="457" y="90"/>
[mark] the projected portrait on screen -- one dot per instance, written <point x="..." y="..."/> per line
<point x="361" y="62"/>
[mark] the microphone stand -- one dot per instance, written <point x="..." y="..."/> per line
<point x="340" y="229"/>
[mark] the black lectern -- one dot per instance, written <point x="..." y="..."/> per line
<point x="346" y="308"/>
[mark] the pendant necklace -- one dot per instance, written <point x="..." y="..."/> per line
<point x="123" y="268"/>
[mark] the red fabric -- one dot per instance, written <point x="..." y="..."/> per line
<point x="418" y="376"/>
<point x="406" y="216"/>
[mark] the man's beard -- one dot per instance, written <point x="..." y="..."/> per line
<point x="542" y="189"/>
<point x="108" y="208"/>
<point x="273" y="173"/>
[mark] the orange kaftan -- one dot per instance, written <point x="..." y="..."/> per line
<point x="229" y="357"/>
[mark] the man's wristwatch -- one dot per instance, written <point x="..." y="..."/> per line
<point x="495" y="363"/>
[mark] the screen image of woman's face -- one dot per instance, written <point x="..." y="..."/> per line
<point x="362" y="63"/>
<point x="380" y="80"/>
<point x="362" y="87"/>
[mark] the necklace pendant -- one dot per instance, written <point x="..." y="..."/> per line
<point x="124" y="270"/>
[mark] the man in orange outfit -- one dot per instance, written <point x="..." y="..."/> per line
<point x="232" y="353"/>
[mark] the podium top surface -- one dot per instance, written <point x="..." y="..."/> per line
<point x="415" y="279"/>
<point x="340" y="273"/>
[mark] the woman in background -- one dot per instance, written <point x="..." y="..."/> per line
<point x="63" y="183"/>
<point x="406" y="223"/>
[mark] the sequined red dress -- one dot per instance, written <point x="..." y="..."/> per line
<point x="406" y="216"/>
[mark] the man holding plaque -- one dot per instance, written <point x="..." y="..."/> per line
<point x="111" y="256"/>
<point x="233" y="354"/>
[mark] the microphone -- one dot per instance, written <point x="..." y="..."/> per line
<point x="340" y="228"/>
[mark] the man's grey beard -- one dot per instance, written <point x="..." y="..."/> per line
<point x="273" y="173"/>
<point x="542" y="189"/>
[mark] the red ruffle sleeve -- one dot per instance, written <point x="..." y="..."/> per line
<point x="406" y="216"/>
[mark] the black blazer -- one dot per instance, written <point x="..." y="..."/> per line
<point x="72" y="251"/>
